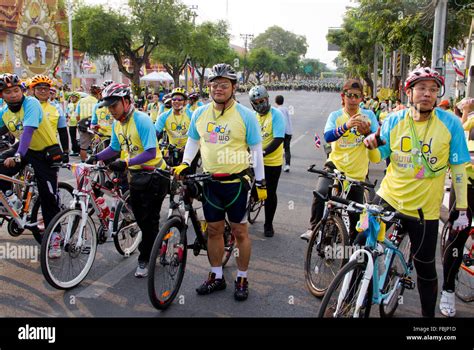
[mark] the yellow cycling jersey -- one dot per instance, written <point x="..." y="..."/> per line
<point x="85" y="107"/>
<point x="153" y="108"/>
<point x="51" y="113"/>
<point x="272" y="126"/>
<point x="349" y="154"/>
<point x="102" y="117"/>
<point x="135" y="136"/>
<point x="225" y="139"/>
<point x="468" y="126"/>
<point x="406" y="186"/>
<point x="71" y="112"/>
<point x="30" y="114"/>
<point x="176" y="126"/>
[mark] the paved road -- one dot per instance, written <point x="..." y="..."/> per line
<point x="276" y="274"/>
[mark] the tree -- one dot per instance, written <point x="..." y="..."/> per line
<point x="260" y="62"/>
<point x="209" y="45"/>
<point x="148" y="24"/>
<point x="280" y="42"/>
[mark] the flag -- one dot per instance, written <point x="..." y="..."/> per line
<point x="317" y="141"/>
<point x="457" y="59"/>
<point x="457" y="55"/>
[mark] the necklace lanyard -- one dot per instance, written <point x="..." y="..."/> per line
<point x="412" y="126"/>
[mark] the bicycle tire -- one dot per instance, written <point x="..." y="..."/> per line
<point x="325" y="311"/>
<point x="48" y="265"/>
<point x="132" y="236"/>
<point x="316" y="288"/>
<point x="393" y="279"/>
<point x="38" y="230"/>
<point x="444" y="237"/>
<point x="162" y="294"/>
<point x="254" y="209"/>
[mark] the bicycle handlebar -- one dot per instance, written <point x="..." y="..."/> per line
<point x="340" y="176"/>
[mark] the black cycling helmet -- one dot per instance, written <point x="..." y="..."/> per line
<point x="8" y="80"/>
<point x="223" y="70"/>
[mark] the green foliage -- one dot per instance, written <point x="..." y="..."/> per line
<point x="280" y="42"/>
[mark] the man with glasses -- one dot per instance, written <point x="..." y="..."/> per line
<point x="224" y="131"/>
<point x="345" y="130"/>
<point x="175" y="123"/>
<point x="272" y="124"/>
<point x="23" y="117"/>
<point x="41" y="86"/>
<point x="422" y="141"/>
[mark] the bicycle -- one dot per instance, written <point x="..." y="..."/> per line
<point x="464" y="287"/>
<point x="169" y="254"/>
<point x="325" y="253"/>
<point x="26" y="214"/>
<point x="73" y="232"/>
<point x="254" y="207"/>
<point x="365" y="279"/>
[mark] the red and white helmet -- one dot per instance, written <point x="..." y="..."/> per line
<point x="113" y="93"/>
<point x="423" y="73"/>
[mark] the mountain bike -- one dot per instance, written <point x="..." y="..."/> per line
<point x="26" y="214"/>
<point x="168" y="257"/>
<point x="326" y="251"/>
<point x="377" y="273"/>
<point x="70" y="242"/>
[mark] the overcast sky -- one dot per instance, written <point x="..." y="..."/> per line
<point x="310" y="18"/>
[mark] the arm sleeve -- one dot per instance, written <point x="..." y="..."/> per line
<point x="143" y="157"/>
<point x="336" y="134"/>
<point x="94" y="120"/>
<point x="191" y="150"/>
<point x="257" y="156"/>
<point x="460" y="185"/>
<point x="107" y="153"/>
<point x="25" y="140"/>
<point x="272" y="147"/>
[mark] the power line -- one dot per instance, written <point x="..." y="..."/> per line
<point x="4" y="29"/>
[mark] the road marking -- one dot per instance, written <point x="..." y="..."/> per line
<point x="108" y="280"/>
<point x="298" y="140"/>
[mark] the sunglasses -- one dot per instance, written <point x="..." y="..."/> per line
<point x="177" y="99"/>
<point x="351" y="95"/>
<point x="216" y="85"/>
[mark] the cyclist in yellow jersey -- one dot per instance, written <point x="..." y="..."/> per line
<point x="194" y="102"/>
<point x="422" y="141"/>
<point x="153" y="107"/>
<point x="175" y="123"/>
<point x="84" y="110"/>
<point x="133" y="133"/>
<point x="101" y="119"/>
<point x="345" y="131"/>
<point x="72" y="122"/>
<point x="453" y="256"/>
<point x="23" y="117"/>
<point x="41" y="86"/>
<point x="272" y="124"/>
<point x="224" y="131"/>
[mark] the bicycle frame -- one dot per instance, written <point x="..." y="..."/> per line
<point x="19" y="217"/>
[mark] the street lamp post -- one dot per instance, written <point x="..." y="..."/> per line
<point x="193" y="9"/>
<point x="246" y="38"/>
<point x="71" y="49"/>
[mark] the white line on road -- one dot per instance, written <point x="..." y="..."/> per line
<point x="298" y="139"/>
<point x="100" y="286"/>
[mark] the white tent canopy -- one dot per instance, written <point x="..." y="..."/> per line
<point x="161" y="77"/>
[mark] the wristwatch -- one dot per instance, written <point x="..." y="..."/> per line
<point x="261" y="183"/>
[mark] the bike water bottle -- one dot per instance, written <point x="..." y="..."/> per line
<point x="13" y="200"/>
<point x="104" y="209"/>
<point x="111" y="220"/>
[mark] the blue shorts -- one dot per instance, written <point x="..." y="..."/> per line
<point x="225" y="198"/>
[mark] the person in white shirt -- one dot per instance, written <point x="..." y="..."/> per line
<point x="279" y="100"/>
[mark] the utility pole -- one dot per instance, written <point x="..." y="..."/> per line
<point x="193" y="9"/>
<point x="376" y="68"/>
<point x="470" y="61"/>
<point x="246" y="38"/>
<point x="439" y="29"/>
<point x="71" y="49"/>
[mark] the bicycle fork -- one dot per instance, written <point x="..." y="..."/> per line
<point x="346" y="285"/>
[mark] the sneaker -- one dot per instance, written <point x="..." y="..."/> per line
<point x="307" y="235"/>
<point x="286" y="169"/>
<point x="55" y="248"/>
<point x="268" y="231"/>
<point x="447" y="304"/>
<point x="74" y="154"/>
<point x="241" y="292"/>
<point x="211" y="285"/>
<point x="142" y="270"/>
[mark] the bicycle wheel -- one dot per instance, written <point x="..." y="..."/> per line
<point x="127" y="235"/>
<point x="167" y="263"/>
<point x="254" y="209"/>
<point x="347" y="306"/>
<point x="465" y="278"/>
<point x="325" y="254"/>
<point x="393" y="283"/>
<point x="65" y="197"/>
<point x="444" y="238"/>
<point x="66" y="264"/>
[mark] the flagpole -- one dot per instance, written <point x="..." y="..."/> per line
<point x="71" y="49"/>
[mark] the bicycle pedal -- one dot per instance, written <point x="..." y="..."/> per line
<point x="408" y="283"/>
